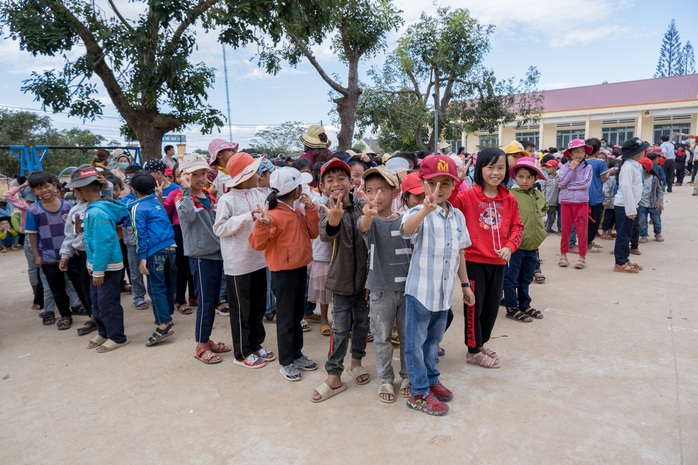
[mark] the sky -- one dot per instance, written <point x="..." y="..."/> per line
<point x="572" y="44"/>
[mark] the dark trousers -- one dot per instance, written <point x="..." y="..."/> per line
<point x="56" y="282"/>
<point x="288" y="286"/>
<point x="487" y="282"/>
<point x="595" y="213"/>
<point x="207" y="280"/>
<point x="247" y="301"/>
<point x="184" y="273"/>
<point x="635" y="237"/>
<point x="107" y="310"/>
<point x="670" y="171"/>
<point x="680" y="172"/>
<point x="349" y="313"/>
<point x="624" y="231"/>
<point x="609" y="219"/>
<point x="125" y="271"/>
<point x="518" y="276"/>
<point x="86" y="282"/>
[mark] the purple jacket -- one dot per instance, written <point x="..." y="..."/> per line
<point x="574" y="185"/>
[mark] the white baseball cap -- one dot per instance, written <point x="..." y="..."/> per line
<point x="285" y="180"/>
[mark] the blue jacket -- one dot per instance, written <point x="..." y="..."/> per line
<point x="101" y="240"/>
<point x="151" y="226"/>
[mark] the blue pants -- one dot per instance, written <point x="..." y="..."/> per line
<point x="137" y="286"/>
<point x="624" y="232"/>
<point x="9" y="240"/>
<point x="207" y="282"/>
<point x="518" y="277"/>
<point x="345" y="309"/>
<point x="655" y="214"/>
<point x="162" y="283"/>
<point x="424" y="330"/>
<point x="106" y="307"/>
<point x="271" y="300"/>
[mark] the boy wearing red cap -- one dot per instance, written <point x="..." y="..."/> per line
<point x="439" y="234"/>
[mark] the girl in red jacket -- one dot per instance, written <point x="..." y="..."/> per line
<point x="285" y="232"/>
<point x="492" y="218"/>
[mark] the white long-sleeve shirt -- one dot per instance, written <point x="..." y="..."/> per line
<point x="629" y="187"/>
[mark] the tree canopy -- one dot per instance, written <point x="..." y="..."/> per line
<point x="143" y="61"/>
<point x="438" y="67"/>
<point x="279" y="139"/>
<point x="675" y="59"/>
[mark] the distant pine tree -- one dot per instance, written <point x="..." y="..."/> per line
<point x="688" y="59"/>
<point x="669" y="63"/>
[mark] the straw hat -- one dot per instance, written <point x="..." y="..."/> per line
<point x="315" y="137"/>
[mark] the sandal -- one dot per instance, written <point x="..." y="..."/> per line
<point x="110" y="345"/>
<point x="530" y="311"/>
<point x="48" y="319"/>
<point x="218" y="347"/>
<point x="489" y="352"/>
<point x="184" y="309"/>
<point x="142" y="305"/>
<point x="581" y="263"/>
<point x="251" y="361"/>
<point x="314" y="317"/>
<point x="207" y="356"/>
<point x="394" y="338"/>
<point x="369" y="337"/>
<point x="538" y="277"/>
<point x="325" y="329"/>
<point x="627" y="268"/>
<point x="87" y="328"/>
<point x="159" y="335"/>
<point x="96" y="341"/>
<point x="78" y="310"/>
<point x="266" y="355"/>
<point x="442" y="352"/>
<point x="518" y="315"/>
<point x="386" y="390"/>
<point x="305" y="326"/>
<point x="563" y="263"/>
<point x="405" y="390"/>
<point x="360" y="375"/>
<point x="64" y="323"/>
<point x="483" y="360"/>
<point x="193" y="302"/>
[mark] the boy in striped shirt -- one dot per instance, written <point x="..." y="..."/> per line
<point x="439" y="235"/>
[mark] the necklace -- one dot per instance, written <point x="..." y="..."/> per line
<point x="389" y="216"/>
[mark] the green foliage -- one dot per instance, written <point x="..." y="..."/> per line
<point x="443" y="56"/>
<point x="30" y="129"/>
<point x="670" y="62"/>
<point x="688" y="59"/>
<point x="279" y="139"/>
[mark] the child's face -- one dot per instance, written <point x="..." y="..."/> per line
<point x="223" y="157"/>
<point x="446" y="185"/>
<point x="336" y="184"/>
<point x="45" y="191"/>
<point x="379" y="191"/>
<point x="198" y="180"/>
<point x="494" y="174"/>
<point x="578" y="153"/>
<point x="357" y="170"/>
<point x="4" y="224"/>
<point x="524" y="179"/>
<point x="413" y="200"/>
<point x="264" y="179"/>
<point x="249" y="183"/>
<point x="550" y="169"/>
<point x="116" y="193"/>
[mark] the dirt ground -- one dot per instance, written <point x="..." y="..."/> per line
<point x="609" y="376"/>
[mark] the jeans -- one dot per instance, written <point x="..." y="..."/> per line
<point x="288" y="289"/>
<point x="386" y="307"/>
<point x="161" y="283"/>
<point x="137" y="286"/>
<point x="518" y="276"/>
<point x="346" y="308"/>
<point x="552" y="217"/>
<point x="655" y="214"/>
<point x="271" y="300"/>
<point x="624" y="232"/>
<point x="694" y="170"/>
<point x="106" y="307"/>
<point x="424" y="330"/>
<point x="207" y="275"/>
<point x="9" y="240"/>
<point x="31" y="267"/>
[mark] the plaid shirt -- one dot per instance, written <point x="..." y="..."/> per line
<point x="435" y="259"/>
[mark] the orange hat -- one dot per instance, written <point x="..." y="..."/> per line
<point x="646" y="164"/>
<point x="412" y="184"/>
<point x="241" y="167"/>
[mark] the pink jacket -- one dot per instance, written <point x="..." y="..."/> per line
<point x="23" y="205"/>
<point x="574" y="185"/>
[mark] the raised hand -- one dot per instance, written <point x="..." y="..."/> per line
<point x="335" y="211"/>
<point x="431" y="196"/>
<point x="370" y="211"/>
<point x="306" y="201"/>
<point x="185" y="180"/>
<point x="263" y="216"/>
<point x="159" y="186"/>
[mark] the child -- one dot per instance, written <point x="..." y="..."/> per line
<point x="163" y="186"/>
<point x="651" y="202"/>
<point x="492" y="216"/>
<point x="412" y="192"/>
<point x="680" y="164"/>
<point x="389" y="262"/>
<point x="8" y="235"/>
<point x="264" y="171"/>
<point x="220" y="152"/>
<point x="245" y="268"/>
<point x="155" y="247"/>
<point x="196" y="208"/>
<point x="104" y="260"/>
<point x="45" y="225"/>
<point x="551" y="192"/>
<point x="574" y="179"/>
<point x="135" y="277"/>
<point x="626" y="201"/>
<point x="519" y="274"/>
<point x="609" y="187"/>
<point x="439" y="233"/>
<point x="284" y="233"/>
<point x="346" y="279"/>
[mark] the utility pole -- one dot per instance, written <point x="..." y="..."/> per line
<point x="227" y="93"/>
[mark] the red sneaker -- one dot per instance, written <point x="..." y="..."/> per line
<point x="427" y="404"/>
<point x="441" y="392"/>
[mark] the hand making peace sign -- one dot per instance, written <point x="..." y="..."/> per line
<point x="335" y="211"/>
<point x="431" y="196"/>
<point x="263" y="217"/>
<point x="185" y="180"/>
<point x="370" y="211"/>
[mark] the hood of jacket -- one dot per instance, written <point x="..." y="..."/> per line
<point x="117" y="211"/>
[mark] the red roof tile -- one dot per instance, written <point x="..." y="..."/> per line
<point x="646" y="91"/>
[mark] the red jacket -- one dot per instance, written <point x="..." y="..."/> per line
<point x="492" y="223"/>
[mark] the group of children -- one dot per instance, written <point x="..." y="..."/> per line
<point x="386" y="248"/>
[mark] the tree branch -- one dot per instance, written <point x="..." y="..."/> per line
<point x="202" y="7"/>
<point x="415" y="84"/>
<point x="311" y="58"/>
<point x="121" y="18"/>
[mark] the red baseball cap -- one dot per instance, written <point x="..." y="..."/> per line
<point x="646" y="164"/>
<point x="438" y="165"/>
<point x="412" y="184"/>
<point x="334" y="163"/>
<point x="553" y="163"/>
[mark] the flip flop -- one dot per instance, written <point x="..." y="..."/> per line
<point x="326" y="392"/>
<point x="110" y="345"/>
<point x="325" y="329"/>
<point x="358" y="372"/>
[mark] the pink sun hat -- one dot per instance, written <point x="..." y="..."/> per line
<point x="216" y="145"/>
<point x="574" y="143"/>
<point x="526" y="162"/>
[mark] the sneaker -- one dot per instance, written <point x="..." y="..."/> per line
<point x="290" y="372"/>
<point x="441" y="392"/>
<point x="644" y="240"/>
<point x="428" y="404"/>
<point x="304" y="363"/>
<point x="251" y="361"/>
<point x="659" y="238"/>
<point x="223" y="311"/>
<point x="266" y="355"/>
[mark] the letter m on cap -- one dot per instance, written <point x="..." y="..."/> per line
<point x="442" y="166"/>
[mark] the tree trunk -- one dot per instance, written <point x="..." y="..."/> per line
<point x="418" y="139"/>
<point x="346" y="108"/>
<point x="150" y="140"/>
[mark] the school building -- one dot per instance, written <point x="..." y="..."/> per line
<point x="648" y="109"/>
